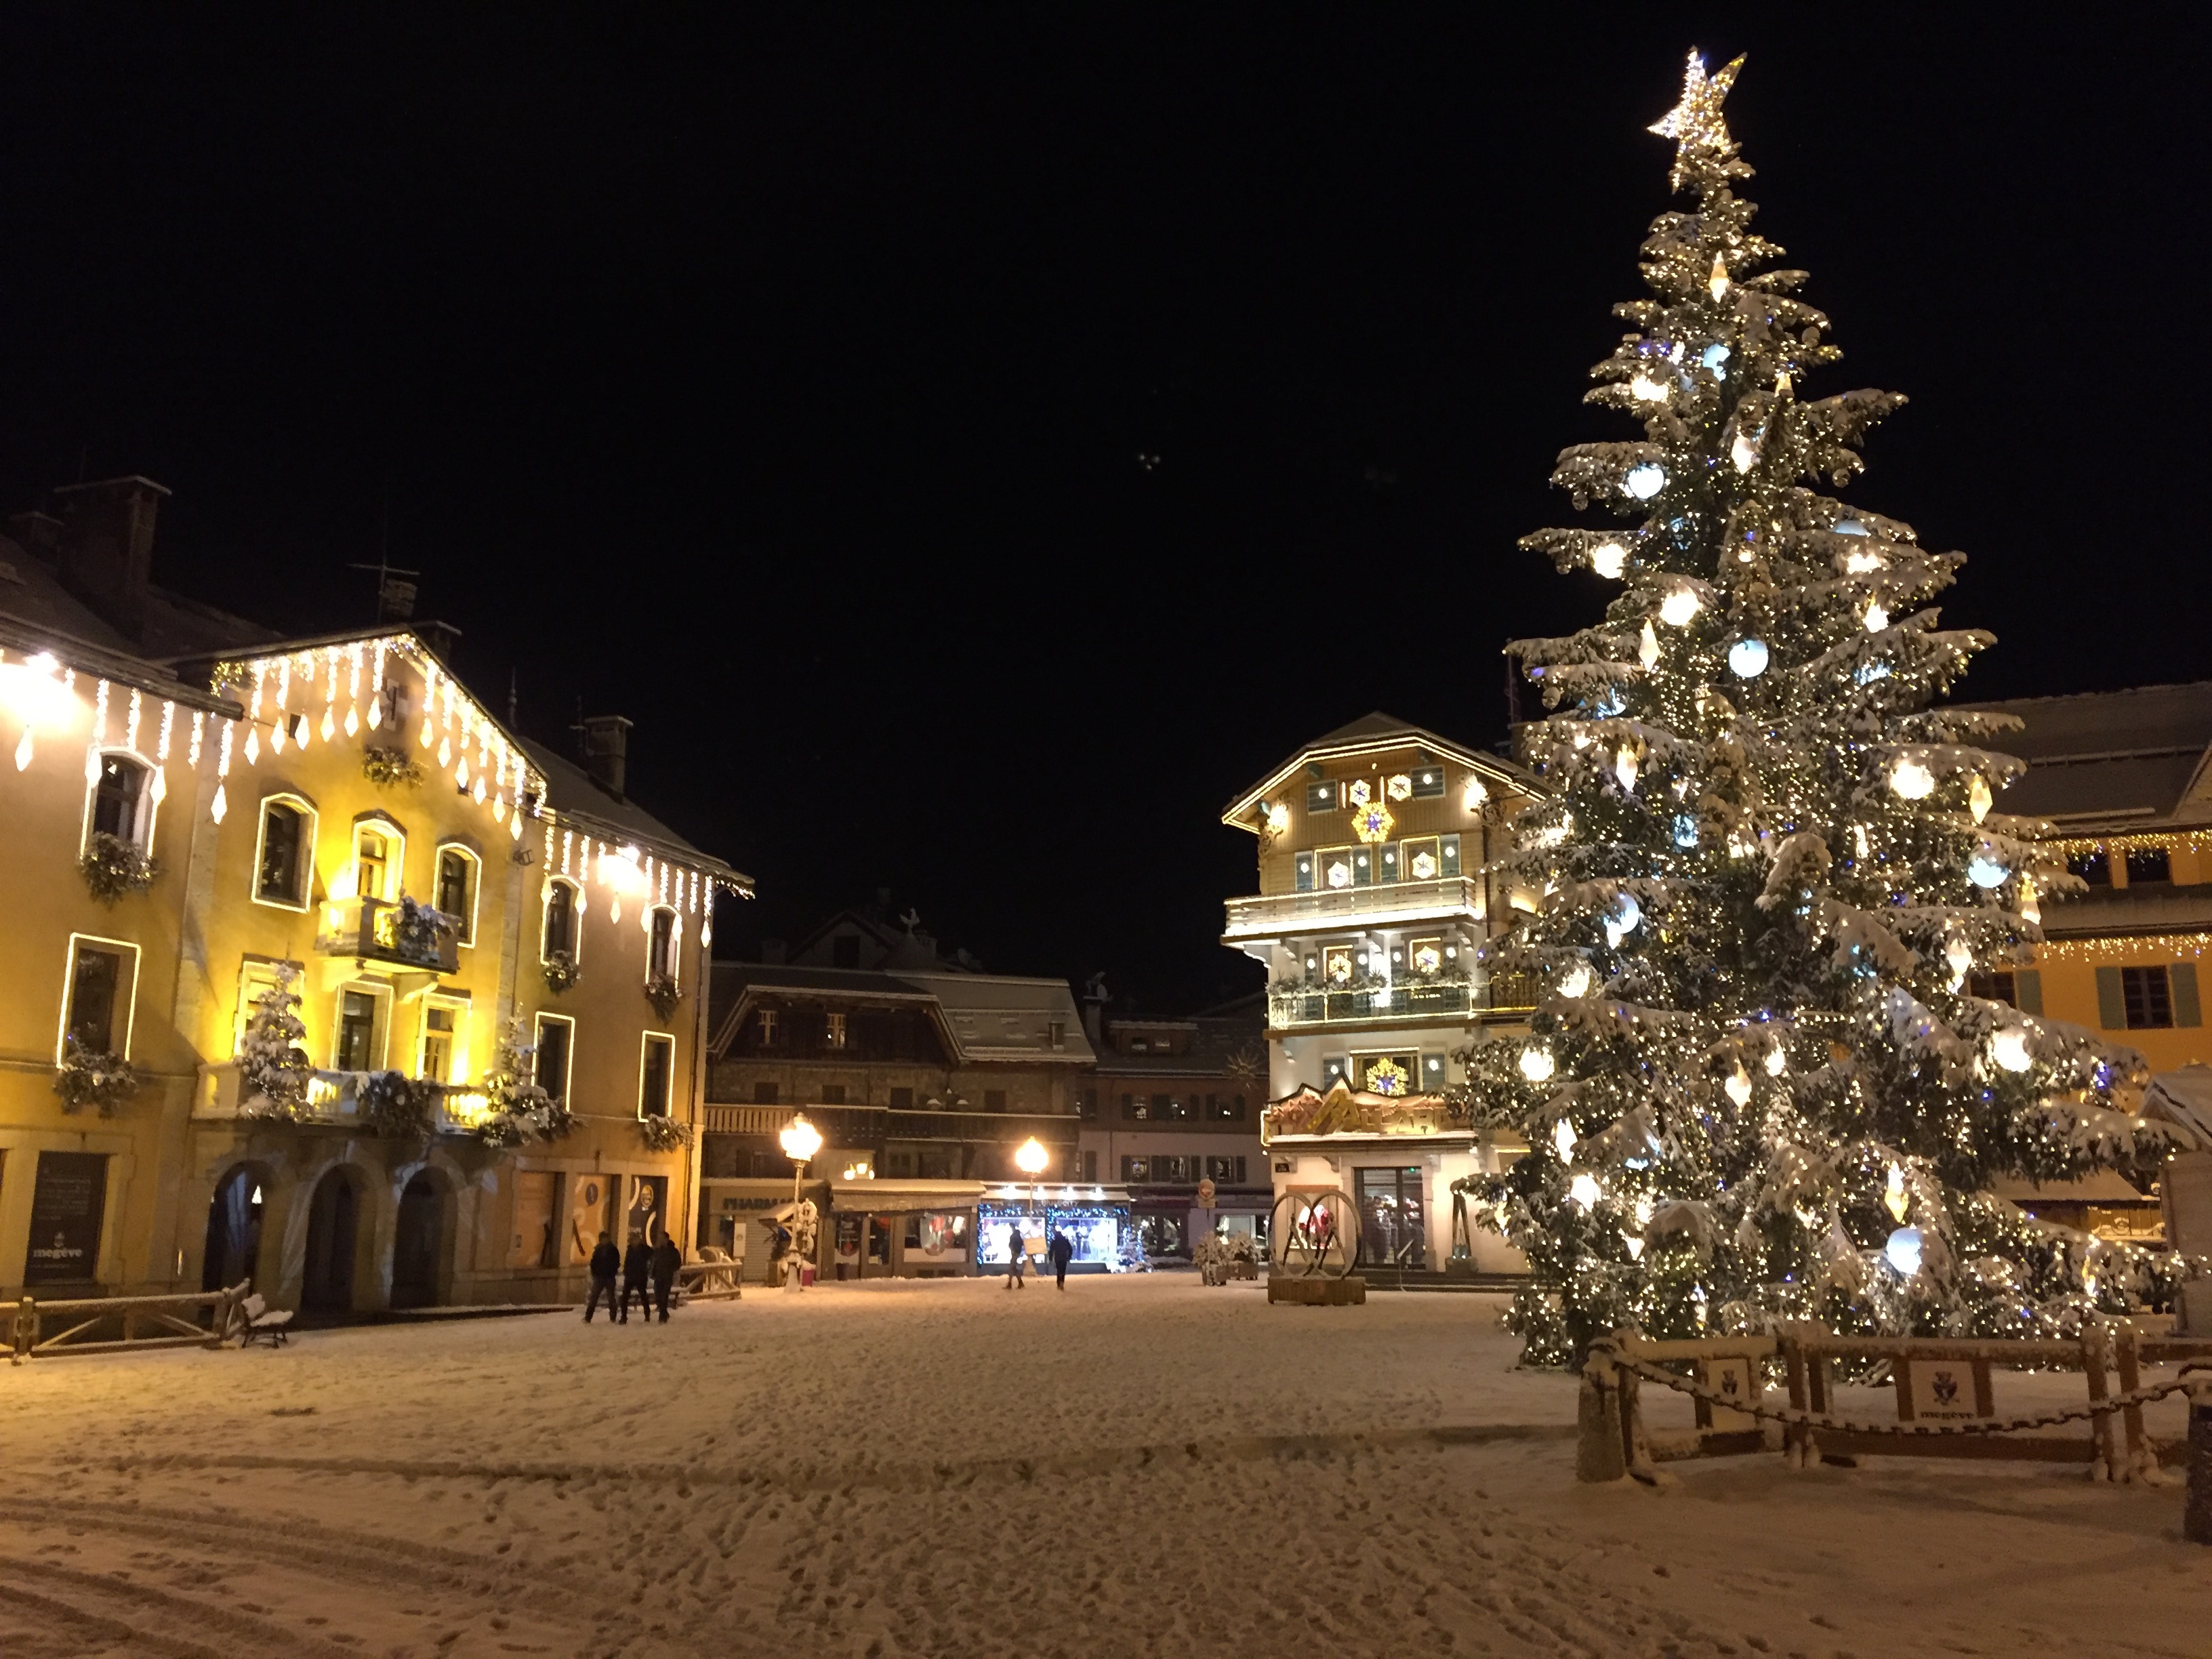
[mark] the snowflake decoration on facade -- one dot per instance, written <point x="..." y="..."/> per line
<point x="1387" y="1077"/>
<point x="1427" y="958"/>
<point x="1373" y="823"/>
<point x="1424" y="866"/>
<point x="1400" y="788"/>
<point x="1359" y="791"/>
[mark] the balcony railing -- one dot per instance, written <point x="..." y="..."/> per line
<point x="333" y="1097"/>
<point x="1275" y="914"/>
<point x="368" y="930"/>
<point x="1502" y="993"/>
<point x="866" y="1126"/>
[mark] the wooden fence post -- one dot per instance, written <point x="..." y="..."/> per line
<point x="27" y="1330"/>
<point x="2104" y="1465"/>
<point x="1600" y="1447"/>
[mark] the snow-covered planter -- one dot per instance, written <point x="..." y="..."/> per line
<point x="391" y="768"/>
<point x="663" y="993"/>
<point x="85" y="1078"/>
<point x="419" y="932"/>
<point x="665" y="1134"/>
<point x="394" y="1107"/>
<point x="272" y="1068"/>
<point x="561" y="972"/>
<point x="112" y="867"/>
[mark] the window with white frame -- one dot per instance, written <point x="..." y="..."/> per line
<point x="120" y="799"/>
<point x="833" y="1033"/>
<point x="656" y="1074"/>
<point x="379" y="851"/>
<point x="357" y="1033"/>
<point x="459" y="881"/>
<point x="660" y="944"/>
<point x="284" y="854"/>
<point x="557" y="1041"/>
<point x="98" y="995"/>
<point x="560" y="931"/>
<point x="443" y="1053"/>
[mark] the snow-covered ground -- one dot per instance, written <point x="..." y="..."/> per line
<point x="1139" y="1467"/>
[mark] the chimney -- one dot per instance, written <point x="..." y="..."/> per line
<point x="107" y="547"/>
<point x="40" y="534"/>
<point x="1095" y="998"/>
<point x="606" y="746"/>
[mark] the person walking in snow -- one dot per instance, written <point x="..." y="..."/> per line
<point x="1017" y="1258"/>
<point x="1060" y="1253"/>
<point x="666" y="1258"/>
<point x="637" y="1277"/>
<point x="606" y="1262"/>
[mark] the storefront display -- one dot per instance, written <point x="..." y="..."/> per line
<point x="1093" y="1227"/>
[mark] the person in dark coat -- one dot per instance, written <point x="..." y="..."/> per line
<point x="1017" y="1260"/>
<point x="666" y="1258"/>
<point x="637" y="1277"/>
<point x="606" y="1262"/>
<point x="1060" y="1252"/>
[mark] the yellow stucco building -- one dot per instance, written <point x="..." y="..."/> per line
<point x="197" y="808"/>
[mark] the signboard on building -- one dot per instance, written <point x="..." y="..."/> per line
<point x="68" y="1204"/>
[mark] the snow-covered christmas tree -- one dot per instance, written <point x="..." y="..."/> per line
<point x="522" y="1110"/>
<point x="1759" y="1084"/>
<point x="273" y="1068"/>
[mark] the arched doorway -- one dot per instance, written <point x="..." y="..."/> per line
<point x="419" y="1243"/>
<point x="234" y="1230"/>
<point x="327" y="1284"/>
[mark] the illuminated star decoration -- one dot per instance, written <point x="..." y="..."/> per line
<point x="1695" y="124"/>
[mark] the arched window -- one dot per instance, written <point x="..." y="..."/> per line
<point x="122" y="799"/>
<point x="660" y="956"/>
<point x="380" y="853"/>
<point x="560" y="933"/>
<point x="284" y="863"/>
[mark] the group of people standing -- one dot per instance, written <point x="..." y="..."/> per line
<point x="649" y="1273"/>
<point x="1059" y="1250"/>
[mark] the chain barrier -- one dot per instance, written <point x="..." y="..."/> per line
<point x="1810" y="1420"/>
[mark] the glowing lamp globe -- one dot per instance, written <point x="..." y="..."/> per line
<point x="1644" y="480"/>
<point x="1912" y="781"/>
<point x="1609" y="559"/>
<point x="1713" y="356"/>
<point x="2009" y="1048"/>
<point x="1984" y="871"/>
<point x="1747" y="659"/>
<point x="1575" y="983"/>
<point x="1031" y="1158"/>
<point x="1583" y="1190"/>
<point x="801" y="1140"/>
<point x="1678" y="607"/>
<point x="1537" y="1064"/>
<point x="1903" y="1251"/>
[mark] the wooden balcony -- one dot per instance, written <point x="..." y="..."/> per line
<point x="1316" y="1007"/>
<point x="333" y="1098"/>
<point x="1385" y="904"/>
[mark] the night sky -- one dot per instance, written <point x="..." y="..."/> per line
<point x="975" y="445"/>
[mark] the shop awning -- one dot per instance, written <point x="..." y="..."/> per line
<point x="875" y="1197"/>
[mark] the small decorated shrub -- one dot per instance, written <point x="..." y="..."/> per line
<point x="85" y="1078"/>
<point x="394" y="1107"/>
<point x="665" y="1134"/>
<point x="561" y="972"/>
<point x="112" y="866"/>
<point x="391" y="768"/>
<point x="663" y="993"/>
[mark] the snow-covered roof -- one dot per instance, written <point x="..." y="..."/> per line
<point x="2127" y="759"/>
<point x="989" y="1018"/>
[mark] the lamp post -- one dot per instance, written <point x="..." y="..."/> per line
<point x="801" y="1140"/>
<point x="1030" y="1158"/>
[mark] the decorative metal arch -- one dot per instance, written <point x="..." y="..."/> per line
<point x="1314" y="1235"/>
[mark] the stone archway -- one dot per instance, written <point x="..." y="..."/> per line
<point x="334" y="1220"/>
<point x="418" y="1242"/>
<point x="233" y="1229"/>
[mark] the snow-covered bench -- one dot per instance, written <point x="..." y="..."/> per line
<point x="257" y="1322"/>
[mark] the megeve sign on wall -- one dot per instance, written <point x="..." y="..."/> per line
<point x="67" y="1205"/>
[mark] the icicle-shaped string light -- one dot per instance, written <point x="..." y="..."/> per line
<point x="330" y="694"/>
<point x="168" y="726"/>
<point x="220" y="805"/>
<point x="429" y="702"/>
<point x="199" y="729"/>
<point x="376" y="690"/>
<point x="130" y="720"/>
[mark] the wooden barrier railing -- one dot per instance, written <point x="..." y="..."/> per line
<point x="173" y="1321"/>
<point x="1945" y="1392"/>
<point x="711" y="1281"/>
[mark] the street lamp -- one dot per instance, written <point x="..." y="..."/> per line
<point x="1030" y="1158"/>
<point x="800" y="1142"/>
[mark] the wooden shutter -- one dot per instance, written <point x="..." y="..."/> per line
<point x="2028" y="990"/>
<point x="2112" y="1007"/>
<point x="2183" y="977"/>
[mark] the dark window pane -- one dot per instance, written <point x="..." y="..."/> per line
<point x="553" y="1057"/>
<point x="2093" y="867"/>
<point x="831" y="1094"/>
<point x="1999" y="987"/>
<point x="764" y="1094"/>
<point x="561" y="919"/>
<point x="902" y="1100"/>
<point x="356" y="1029"/>
<point x="994" y="1100"/>
<point x="115" y="803"/>
<point x="655" y="1088"/>
<point x="453" y="887"/>
<point x="2148" y="864"/>
<point x="91" y="999"/>
<point x="2148" y="996"/>
<point x="661" y="956"/>
<point x="280" y="853"/>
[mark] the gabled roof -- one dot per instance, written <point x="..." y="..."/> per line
<point x="573" y="793"/>
<point x="2125" y="759"/>
<point x="1374" y="733"/>
<point x="986" y="1019"/>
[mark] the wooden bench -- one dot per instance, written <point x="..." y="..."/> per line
<point x="255" y="1320"/>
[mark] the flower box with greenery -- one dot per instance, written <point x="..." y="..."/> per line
<point x="112" y="867"/>
<point x="273" y="1069"/>
<point x="562" y="971"/>
<point x="395" y="1106"/>
<point x="86" y="1079"/>
<point x="662" y="991"/>
<point x="522" y="1112"/>
<point x="391" y="768"/>
<point x="665" y="1134"/>
<point x="419" y="934"/>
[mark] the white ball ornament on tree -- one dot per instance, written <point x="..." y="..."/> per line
<point x="1679" y="606"/>
<point x="2009" y="1049"/>
<point x="1536" y="1064"/>
<point x="1985" y="870"/>
<point x="1903" y="1251"/>
<point x="1746" y="659"/>
<point x="1609" y="559"/>
<point x="1912" y="780"/>
<point x="1876" y="618"/>
<point x="1644" y="480"/>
